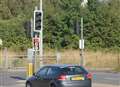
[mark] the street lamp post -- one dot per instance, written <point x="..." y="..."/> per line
<point x="81" y="45"/>
<point x="81" y="42"/>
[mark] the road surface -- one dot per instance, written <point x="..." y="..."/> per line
<point x="103" y="79"/>
<point x="106" y="78"/>
<point x="16" y="78"/>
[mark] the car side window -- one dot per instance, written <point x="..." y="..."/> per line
<point x="42" y="72"/>
<point x="53" y="71"/>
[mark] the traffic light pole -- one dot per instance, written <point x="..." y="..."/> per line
<point x="41" y="5"/>
<point x="38" y="32"/>
<point x="41" y="36"/>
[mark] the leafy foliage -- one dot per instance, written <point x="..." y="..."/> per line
<point x="61" y="19"/>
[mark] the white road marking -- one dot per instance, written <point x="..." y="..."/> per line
<point x="103" y="85"/>
<point x="20" y="81"/>
<point x="111" y="79"/>
<point x="22" y="85"/>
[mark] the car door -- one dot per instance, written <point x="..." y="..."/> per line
<point x="41" y="78"/>
<point x="52" y="74"/>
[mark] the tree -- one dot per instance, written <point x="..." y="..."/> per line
<point x="61" y="17"/>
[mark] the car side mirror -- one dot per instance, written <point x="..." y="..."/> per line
<point x="34" y="74"/>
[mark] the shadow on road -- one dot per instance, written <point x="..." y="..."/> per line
<point x="18" y="78"/>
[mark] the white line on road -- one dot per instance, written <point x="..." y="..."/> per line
<point x="103" y="85"/>
<point x="20" y="81"/>
<point x="111" y="79"/>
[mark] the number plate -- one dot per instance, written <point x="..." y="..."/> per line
<point x="77" y="78"/>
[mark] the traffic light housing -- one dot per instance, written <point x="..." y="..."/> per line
<point x="37" y="20"/>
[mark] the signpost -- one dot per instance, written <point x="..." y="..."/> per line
<point x="81" y="44"/>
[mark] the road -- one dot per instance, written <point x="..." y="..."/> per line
<point x="103" y="79"/>
<point x="106" y="78"/>
<point x="16" y="78"/>
<point x="12" y="78"/>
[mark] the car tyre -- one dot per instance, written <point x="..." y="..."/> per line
<point x="28" y="85"/>
<point x="52" y="85"/>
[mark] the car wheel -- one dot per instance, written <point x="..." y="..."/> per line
<point x="52" y="85"/>
<point x="28" y="85"/>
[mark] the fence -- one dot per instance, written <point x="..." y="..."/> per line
<point x="92" y="59"/>
<point x="21" y="61"/>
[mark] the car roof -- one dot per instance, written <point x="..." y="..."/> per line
<point x="63" y="65"/>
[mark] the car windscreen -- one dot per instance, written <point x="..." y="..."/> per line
<point x="72" y="70"/>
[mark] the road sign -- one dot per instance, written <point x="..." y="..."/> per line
<point x="36" y="42"/>
<point x="81" y="44"/>
<point x="30" y="54"/>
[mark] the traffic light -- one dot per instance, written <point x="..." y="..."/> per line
<point x="37" y="20"/>
<point x="27" y="27"/>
